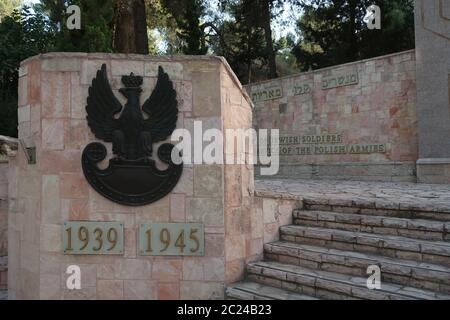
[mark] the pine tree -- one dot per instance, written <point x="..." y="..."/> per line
<point x="334" y="32"/>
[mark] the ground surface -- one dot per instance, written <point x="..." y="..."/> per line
<point x="407" y="196"/>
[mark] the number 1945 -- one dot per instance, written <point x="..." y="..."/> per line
<point x="171" y="239"/>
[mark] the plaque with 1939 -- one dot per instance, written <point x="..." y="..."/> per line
<point x="171" y="239"/>
<point x="92" y="237"/>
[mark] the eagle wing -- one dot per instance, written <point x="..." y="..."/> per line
<point x="101" y="107"/>
<point x="161" y="108"/>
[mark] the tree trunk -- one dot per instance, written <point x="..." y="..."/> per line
<point x="266" y="18"/>
<point x="352" y="41"/>
<point x="140" y="27"/>
<point x="130" y="35"/>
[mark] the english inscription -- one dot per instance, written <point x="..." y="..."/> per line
<point x="323" y="144"/>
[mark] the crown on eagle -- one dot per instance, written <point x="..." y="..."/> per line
<point x="132" y="81"/>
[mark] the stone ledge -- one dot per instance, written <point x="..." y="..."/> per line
<point x="406" y="197"/>
<point x="431" y="161"/>
<point x="335" y="67"/>
<point x="136" y="57"/>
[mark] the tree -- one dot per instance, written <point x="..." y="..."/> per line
<point x="106" y="25"/>
<point x="162" y="27"/>
<point x="22" y="34"/>
<point x="131" y="27"/>
<point x="190" y="30"/>
<point x="7" y="7"/>
<point x="258" y="14"/>
<point x="334" y="32"/>
<point x="95" y="35"/>
<point x="241" y="41"/>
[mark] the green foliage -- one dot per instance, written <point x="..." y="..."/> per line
<point x="334" y="32"/>
<point x="95" y="35"/>
<point x="286" y="61"/>
<point x="7" y="7"/>
<point x="189" y="29"/>
<point x="240" y="41"/>
<point x="22" y="35"/>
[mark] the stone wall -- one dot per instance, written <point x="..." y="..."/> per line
<point x="52" y="95"/>
<point x="432" y="28"/>
<point x="3" y="208"/>
<point x="3" y="223"/>
<point x="353" y="121"/>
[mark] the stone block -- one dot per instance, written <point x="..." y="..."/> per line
<point x="208" y="210"/>
<point x="214" y="269"/>
<point x="51" y="206"/>
<point x="174" y="70"/>
<point x="110" y="289"/>
<point x="139" y="290"/>
<point x="50" y="287"/>
<point x="62" y="65"/>
<point x="124" y="67"/>
<point x="206" y="94"/>
<point x="55" y="95"/>
<point x="89" y="70"/>
<point x="166" y="270"/>
<point x="208" y="181"/>
<point x="193" y="269"/>
<point x="132" y="269"/>
<point x="177" y="207"/>
<point x="195" y="290"/>
<point x="50" y="238"/>
<point x="53" y="134"/>
<point x="168" y="291"/>
<point x="23" y="114"/>
<point x="235" y="247"/>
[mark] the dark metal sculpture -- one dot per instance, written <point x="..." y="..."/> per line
<point x="131" y="177"/>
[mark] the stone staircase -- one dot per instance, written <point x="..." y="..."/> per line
<point x="326" y="252"/>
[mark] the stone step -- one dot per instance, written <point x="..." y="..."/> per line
<point x="330" y="285"/>
<point x="413" y="228"/>
<point x="413" y="210"/>
<point x="436" y="252"/>
<point x="405" y="272"/>
<point x="247" y="290"/>
<point x="3" y="272"/>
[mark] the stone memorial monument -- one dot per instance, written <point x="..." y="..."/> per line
<point x="95" y="206"/>
<point x="137" y="229"/>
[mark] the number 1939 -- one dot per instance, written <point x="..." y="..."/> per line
<point x="92" y="237"/>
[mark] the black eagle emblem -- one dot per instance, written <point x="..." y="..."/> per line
<point x="131" y="134"/>
<point x="132" y="177"/>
